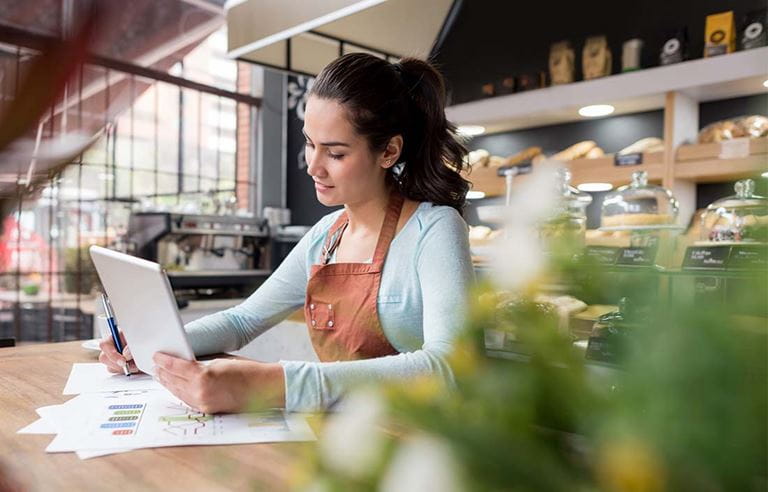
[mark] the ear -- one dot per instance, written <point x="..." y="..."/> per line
<point x="391" y="153"/>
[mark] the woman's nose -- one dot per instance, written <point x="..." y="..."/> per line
<point x="313" y="164"/>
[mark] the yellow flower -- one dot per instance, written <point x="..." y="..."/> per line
<point x="629" y="465"/>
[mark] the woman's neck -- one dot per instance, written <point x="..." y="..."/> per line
<point x="366" y="217"/>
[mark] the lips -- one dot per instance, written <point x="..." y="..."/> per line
<point x="323" y="186"/>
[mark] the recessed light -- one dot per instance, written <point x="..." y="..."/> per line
<point x="765" y="83"/>
<point x="471" y="130"/>
<point x="765" y="174"/>
<point x="596" y="110"/>
<point x="475" y="195"/>
<point x="595" y="187"/>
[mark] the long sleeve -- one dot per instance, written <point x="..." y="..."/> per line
<point x="443" y="265"/>
<point x="281" y="294"/>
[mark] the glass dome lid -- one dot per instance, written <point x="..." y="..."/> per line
<point x="639" y="204"/>
<point x="571" y="199"/>
<point x="742" y="217"/>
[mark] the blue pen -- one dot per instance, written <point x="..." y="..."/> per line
<point x="113" y="330"/>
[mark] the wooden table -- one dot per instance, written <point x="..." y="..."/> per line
<point x="33" y="376"/>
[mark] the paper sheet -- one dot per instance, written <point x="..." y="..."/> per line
<point x="94" y="377"/>
<point x="39" y="426"/>
<point x="155" y="418"/>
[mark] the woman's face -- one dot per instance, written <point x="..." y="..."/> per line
<point x="340" y="162"/>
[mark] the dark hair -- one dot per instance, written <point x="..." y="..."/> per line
<point x="406" y="98"/>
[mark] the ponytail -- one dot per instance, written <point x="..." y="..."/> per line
<point x="405" y="98"/>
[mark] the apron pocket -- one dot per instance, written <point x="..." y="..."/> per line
<point x="321" y="315"/>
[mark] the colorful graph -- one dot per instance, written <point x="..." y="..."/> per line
<point x="185" y="421"/>
<point x="123" y="419"/>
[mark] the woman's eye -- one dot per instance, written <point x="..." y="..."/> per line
<point x="335" y="156"/>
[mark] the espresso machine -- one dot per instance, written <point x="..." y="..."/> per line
<point x="205" y="256"/>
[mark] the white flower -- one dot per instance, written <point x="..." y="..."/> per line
<point x="351" y="443"/>
<point x="517" y="257"/>
<point x="422" y="463"/>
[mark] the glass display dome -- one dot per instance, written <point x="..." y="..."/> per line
<point x="570" y="217"/>
<point x="740" y="218"/>
<point x="639" y="205"/>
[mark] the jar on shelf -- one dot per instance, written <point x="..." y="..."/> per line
<point x="639" y="205"/>
<point x="741" y="218"/>
<point x="569" y="221"/>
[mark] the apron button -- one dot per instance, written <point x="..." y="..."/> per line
<point x="330" y="306"/>
<point x="311" y="306"/>
<point x="330" y="323"/>
<point x="313" y="323"/>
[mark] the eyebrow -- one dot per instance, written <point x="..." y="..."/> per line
<point x="326" y="144"/>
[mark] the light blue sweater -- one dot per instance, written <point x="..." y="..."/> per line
<point x="421" y="303"/>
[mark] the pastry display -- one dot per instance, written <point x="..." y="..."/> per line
<point x="639" y="204"/>
<point x="596" y="60"/>
<point x="568" y="221"/>
<point x="753" y="126"/>
<point x="561" y="63"/>
<point x="741" y="218"/>
<point x="720" y="34"/>
<point x="649" y="144"/>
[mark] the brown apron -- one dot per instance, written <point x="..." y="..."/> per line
<point x="341" y="309"/>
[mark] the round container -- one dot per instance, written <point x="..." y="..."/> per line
<point x="570" y="218"/>
<point x="639" y="205"/>
<point x="741" y="218"/>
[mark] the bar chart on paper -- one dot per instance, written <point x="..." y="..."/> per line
<point x="154" y="418"/>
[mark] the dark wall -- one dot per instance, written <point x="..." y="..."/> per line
<point x="491" y="39"/>
<point x="301" y="199"/>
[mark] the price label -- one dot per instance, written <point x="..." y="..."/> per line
<point x="628" y="159"/>
<point x="706" y="257"/>
<point x="748" y="257"/>
<point x="734" y="149"/>
<point x="603" y="255"/>
<point x="636" y="256"/>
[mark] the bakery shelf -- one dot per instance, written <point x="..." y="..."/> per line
<point x="704" y="163"/>
<point x="721" y="77"/>
<point x="603" y="169"/>
<point x="719" y="170"/>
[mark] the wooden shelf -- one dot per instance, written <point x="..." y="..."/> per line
<point x="721" y="77"/>
<point x="603" y="170"/>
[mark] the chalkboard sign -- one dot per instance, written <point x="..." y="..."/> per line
<point x="628" y="159"/>
<point x="636" y="256"/>
<point x="603" y="255"/>
<point x="749" y="257"/>
<point x="706" y="257"/>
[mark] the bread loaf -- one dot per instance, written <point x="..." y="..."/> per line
<point x="575" y="151"/>
<point x="649" y="144"/>
<point x="594" y="152"/>
<point x="522" y="156"/>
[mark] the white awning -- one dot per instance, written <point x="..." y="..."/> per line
<point x="305" y="35"/>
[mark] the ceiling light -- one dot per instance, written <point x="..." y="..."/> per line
<point x="596" y="110"/>
<point x="765" y="83"/>
<point x="765" y="174"/>
<point x="595" y="187"/>
<point x="471" y="130"/>
<point x="475" y="195"/>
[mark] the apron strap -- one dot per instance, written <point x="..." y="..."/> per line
<point x="394" y="207"/>
<point x="334" y="237"/>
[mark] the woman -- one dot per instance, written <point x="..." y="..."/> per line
<point x="383" y="281"/>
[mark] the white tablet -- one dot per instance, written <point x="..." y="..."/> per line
<point x="144" y="306"/>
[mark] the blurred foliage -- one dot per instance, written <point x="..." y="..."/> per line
<point x="686" y="410"/>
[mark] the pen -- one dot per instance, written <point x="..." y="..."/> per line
<point x="113" y="329"/>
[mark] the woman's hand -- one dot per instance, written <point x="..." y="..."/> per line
<point x="115" y="361"/>
<point x="224" y="385"/>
